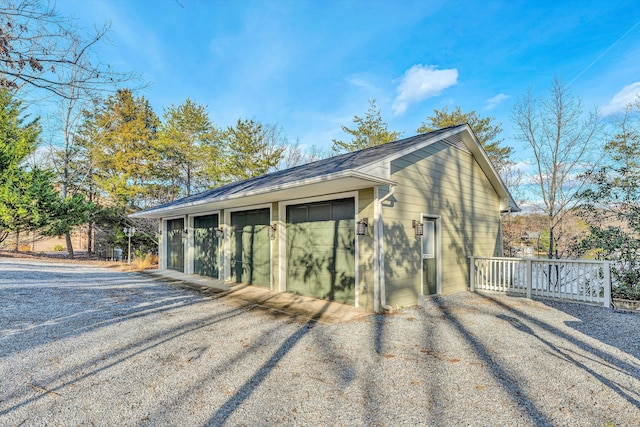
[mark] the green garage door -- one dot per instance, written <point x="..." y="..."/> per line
<point x="205" y="242"/>
<point x="321" y="250"/>
<point x="251" y="247"/>
<point x="175" y="245"/>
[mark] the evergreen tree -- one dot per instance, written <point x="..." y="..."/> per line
<point x="18" y="135"/>
<point x="28" y="202"/>
<point x="483" y="127"/>
<point x="22" y="191"/>
<point x="120" y="139"/>
<point x="611" y="206"/>
<point x="251" y="149"/>
<point x="369" y="132"/>
<point x="190" y="150"/>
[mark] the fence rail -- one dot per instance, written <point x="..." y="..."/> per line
<point x="575" y="280"/>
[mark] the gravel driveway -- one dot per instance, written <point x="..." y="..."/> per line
<point x="83" y="345"/>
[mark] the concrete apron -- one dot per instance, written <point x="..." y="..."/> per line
<point x="291" y="305"/>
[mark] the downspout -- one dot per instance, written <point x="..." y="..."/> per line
<point x="376" y="258"/>
<point x="378" y="253"/>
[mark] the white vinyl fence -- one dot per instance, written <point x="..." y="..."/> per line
<point x="575" y="280"/>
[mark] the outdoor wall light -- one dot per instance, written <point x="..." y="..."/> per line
<point x="419" y="228"/>
<point x="361" y="230"/>
<point x="219" y="233"/>
<point x="272" y="232"/>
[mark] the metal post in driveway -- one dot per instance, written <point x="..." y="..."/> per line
<point x="129" y="232"/>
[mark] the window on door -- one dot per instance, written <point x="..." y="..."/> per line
<point x="429" y="238"/>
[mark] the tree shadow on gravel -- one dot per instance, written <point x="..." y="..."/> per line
<point x="265" y="339"/>
<point x="372" y="401"/>
<point x="429" y="341"/>
<point x="621" y="365"/>
<point x="502" y="377"/>
<point x="105" y="361"/>
<point x="227" y="409"/>
<point x="35" y="316"/>
<point x="626" y="325"/>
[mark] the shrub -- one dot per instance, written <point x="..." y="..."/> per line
<point x="58" y="248"/>
<point x="145" y="262"/>
<point x="626" y="281"/>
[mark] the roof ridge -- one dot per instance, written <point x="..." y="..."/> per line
<point x="350" y="154"/>
<point x="339" y="162"/>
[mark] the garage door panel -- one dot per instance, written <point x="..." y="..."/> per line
<point x="343" y="210"/>
<point x="251" y="248"/>
<point x="253" y="218"/>
<point x="296" y="214"/>
<point x="343" y="260"/>
<point x="175" y="244"/>
<point x="319" y="213"/>
<point x="320" y="250"/>
<point x="206" y="252"/>
<point x="257" y="258"/>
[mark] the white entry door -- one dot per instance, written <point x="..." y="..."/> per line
<point x="430" y="256"/>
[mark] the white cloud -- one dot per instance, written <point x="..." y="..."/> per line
<point x="492" y="103"/>
<point x="421" y="82"/>
<point x="620" y="100"/>
<point x="359" y="81"/>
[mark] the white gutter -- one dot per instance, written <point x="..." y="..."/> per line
<point x="379" y="292"/>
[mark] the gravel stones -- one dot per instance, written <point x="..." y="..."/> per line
<point x="82" y="345"/>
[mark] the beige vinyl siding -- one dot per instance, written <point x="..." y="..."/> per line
<point x="443" y="181"/>
<point x="365" y="250"/>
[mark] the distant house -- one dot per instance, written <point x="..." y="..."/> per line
<point x="384" y="226"/>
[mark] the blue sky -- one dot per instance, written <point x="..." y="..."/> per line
<point x="309" y="66"/>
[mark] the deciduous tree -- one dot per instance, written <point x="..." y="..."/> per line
<point x="45" y="51"/>
<point x="563" y="141"/>
<point x="295" y="155"/>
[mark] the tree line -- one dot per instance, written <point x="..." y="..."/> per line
<point x="119" y="156"/>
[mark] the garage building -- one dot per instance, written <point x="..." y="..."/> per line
<point x="380" y="227"/>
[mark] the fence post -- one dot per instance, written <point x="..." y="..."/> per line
<point x="607" y="285"/>
<point x="529" y="277"/>
<point x="472" y="274"/>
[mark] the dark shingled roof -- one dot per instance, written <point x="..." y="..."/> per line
<point x="335" y="164"/>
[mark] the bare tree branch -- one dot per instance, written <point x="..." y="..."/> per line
<point x="41" y="49"/>
<point x="563" y="141"/>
